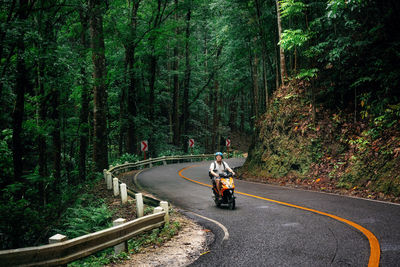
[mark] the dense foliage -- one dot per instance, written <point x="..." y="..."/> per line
<point x="83" y="82"/>
<point x="334" y="126"/>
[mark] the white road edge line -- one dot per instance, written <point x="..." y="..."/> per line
<point x="226" y="233"/>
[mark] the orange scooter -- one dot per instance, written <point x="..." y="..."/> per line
<point x="227" y="191"/>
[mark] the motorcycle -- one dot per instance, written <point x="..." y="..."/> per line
<point x="227" y="191"/>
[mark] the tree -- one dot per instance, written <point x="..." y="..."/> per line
<point x="281" y="51"/>
<point x="100" y="148"/>
<point x="21" y="86"/>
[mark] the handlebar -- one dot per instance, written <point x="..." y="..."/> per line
<point x="226" y="175"/>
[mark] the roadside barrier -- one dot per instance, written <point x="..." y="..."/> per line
<point x="62" y="252"/>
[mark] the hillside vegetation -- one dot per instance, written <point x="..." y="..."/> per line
<point x="333" y="154"/>
<point x="333" y="123"/>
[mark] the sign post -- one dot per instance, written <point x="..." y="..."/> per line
<point x="228" y="145"/>
<point x="144" y="146"/>
<point x="191" y="145"/>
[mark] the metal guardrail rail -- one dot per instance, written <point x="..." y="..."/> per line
<point x="164" y="159"/>
<point x="67" y="251"/>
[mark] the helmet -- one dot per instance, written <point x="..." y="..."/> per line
<point x="219" y="154"/>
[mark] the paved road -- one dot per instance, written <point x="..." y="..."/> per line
<point x="264" y="233"/>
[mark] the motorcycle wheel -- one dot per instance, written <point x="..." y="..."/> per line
<point x="232" y="203"/>
<point x="217" y="202"/>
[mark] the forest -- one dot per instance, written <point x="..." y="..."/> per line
<point x="314" y="85"/>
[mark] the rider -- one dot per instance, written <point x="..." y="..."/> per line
<point x="216" y="168"/>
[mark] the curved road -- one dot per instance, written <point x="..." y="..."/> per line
<point x="260" y="232"/>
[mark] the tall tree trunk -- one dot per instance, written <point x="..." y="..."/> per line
<point x="21" y="87"/>
<point x="187" y="80"/>
<point x="56" y="135"/>
<point x="215" y="113"/>
<point x="100" y="148"/>
<point x="132" y="94"/>
<point x="175" y="68"/>
<point x="263" y="50"/>
<point x="255" y="86"/>
<point x="41" y="118"/>
<point x="281" y="52"/>
<point x="85" y="99"/>
<point x="170" y="107"/>
<point x="122" y="114"/>
<point x="233" y="108"/>
<point x="242" y="114"/>
<point x="208" y="97"/>
<point x="153" y="61"/>
<point x="276" y="63"/>
<point x="153" y="66"/>
<point x="265" y="81"/>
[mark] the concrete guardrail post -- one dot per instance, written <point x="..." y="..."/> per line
<point x="109" y="181"/>
<point x="57" y="238"/>
<point x="150" y="164"/>
<point x="157" y="210"/>
<point x="164" y="206"/>
<point x="164" y="161"/>
<point x="139" y="204"/>
<point x="124" y="194"/>
<point x="122" y="247"/>
<point x="105" y="175"/>
<point x="116" y="187"/>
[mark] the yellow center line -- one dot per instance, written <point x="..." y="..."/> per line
<point x="373" y="241"/>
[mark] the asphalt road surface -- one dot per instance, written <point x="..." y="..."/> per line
<point x="260" y="232"/>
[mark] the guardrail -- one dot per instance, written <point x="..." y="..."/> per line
<point x="67" y="251"/>
<point x="63" y="252"/>
<point x="128" y="166"/>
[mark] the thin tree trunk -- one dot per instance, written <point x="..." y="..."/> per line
<point x="41" y="118"/>
<point x="265" y="82"/>
<point x="187" y="80"/>
<point x="21" y="87"/>
<point x="281" y="52"/>
<point x="100" y="148"/>
<point x="132" y="107"/>
<point x="215" y="113"/>
<point x="243" y="107"/>
<point x="85" y="99"/>
<point x="276" y="61"/>
<point x="233" y="114"/>
<point x="175" y="67"/>
<point x="255" y="86"/>
<point x="153" y="62"/>
<point x="263" y="50"/>
<point x="355" y="104"/>
<point x="314" y="113"/>
<point x="170" y="109"/>
<point x="56" y="135"/>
